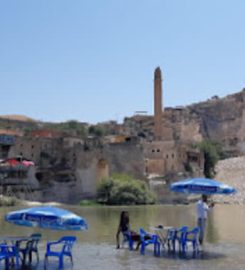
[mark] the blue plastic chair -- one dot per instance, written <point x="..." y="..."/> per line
<point x="191" y="237"/>
<point x="171" y="237"/>
<point x="176" y="235"/>
<point x="127" y="238"/>
<point x="180" y="237"/>
<point x="4" y="253"/>
<point x="31" y="246"/>
<point x="66" y="243"/>
<point x="8" y="252"/>
<point x="147" y="239"/>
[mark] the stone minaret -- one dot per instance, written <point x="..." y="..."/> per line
<point x="158" y="109"/>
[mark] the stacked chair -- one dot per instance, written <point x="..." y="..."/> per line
<point x="183" y="236"/>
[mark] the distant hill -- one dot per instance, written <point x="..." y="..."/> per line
<point x="18" y="117"/>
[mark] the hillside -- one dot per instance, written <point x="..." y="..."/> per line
<point x="17" y="117"/>
<point x="232" y="172"/>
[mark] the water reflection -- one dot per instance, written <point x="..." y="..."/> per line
<point x="96" y="248"/>
<point x="212" y="230"/>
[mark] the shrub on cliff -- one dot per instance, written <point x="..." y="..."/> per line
<point x="212" y="153"/>
<point x="71" y="126"/>
<point x="124" y="190"/>
<point x="97" y="130"/>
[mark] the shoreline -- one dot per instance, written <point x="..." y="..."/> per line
<point x="6" y="201"/>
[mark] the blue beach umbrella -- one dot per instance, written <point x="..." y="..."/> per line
<point x="47" y="217"/>
<point x="201" y="186"/>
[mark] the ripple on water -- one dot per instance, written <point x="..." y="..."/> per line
<point x="104" y="256"/>
<point x="95" y="249"/>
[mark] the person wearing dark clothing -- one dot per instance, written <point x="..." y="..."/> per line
<point x="124" y="228"/>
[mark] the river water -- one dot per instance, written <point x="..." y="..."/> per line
<point x="96" y="248"/>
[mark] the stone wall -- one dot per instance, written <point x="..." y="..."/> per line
<point x="80" y="168"/>
<point x="161" y="157"/>
<point x="126" y="157"/>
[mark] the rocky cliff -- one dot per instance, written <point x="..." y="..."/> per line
<point x="223" y="120"/>
<point x="220" y="119"/>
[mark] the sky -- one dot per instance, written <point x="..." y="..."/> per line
<point x="94" y="60"/>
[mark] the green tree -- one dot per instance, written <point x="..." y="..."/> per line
<point x="71" y="126"/>
<point x="212" y="152"/>
<point x="122" y="189"/>
<point x="97" y="130"/>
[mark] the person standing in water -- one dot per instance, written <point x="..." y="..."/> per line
<point x="202" y="208"/>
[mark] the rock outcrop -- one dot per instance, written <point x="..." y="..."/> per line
<point x="231" y="171"/>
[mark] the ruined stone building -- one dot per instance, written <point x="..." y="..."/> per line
<point x="68" y="169"/>
<point x="168" y="150"/>
<point x="162" y="146"/>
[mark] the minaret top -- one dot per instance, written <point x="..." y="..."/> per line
<point x="158" y="73"/>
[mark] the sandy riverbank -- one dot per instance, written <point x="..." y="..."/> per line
<point x="12" y="201"/>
